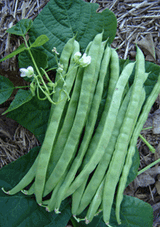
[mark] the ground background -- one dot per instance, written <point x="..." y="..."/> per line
<point x="138" y="22"/>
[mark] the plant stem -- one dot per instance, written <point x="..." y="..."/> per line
<point x="20" y="87"/>
<point x="35" y="65"/>
<point x="147" y="128"/>
<point x="149" y="166"/>
<point x="151" y="148"/>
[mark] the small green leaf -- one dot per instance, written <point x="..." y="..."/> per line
<point x="21" y="98"/>
<point x="21" y="28"/>
<point x="42" y="39"/>
<point x="6" y="89"/>
<point x="15" y="52"/>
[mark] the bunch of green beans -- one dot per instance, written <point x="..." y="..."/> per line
<point x="85" y="154"/>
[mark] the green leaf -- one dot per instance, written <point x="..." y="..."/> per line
<point x="39" y="57"/>
<point x="33" y="115"/>
<point x="134" y="168"/>
<point x="60" y="20"/>
<point x="21" y="28"/>
<point x="42" y="39"/>
<point x="20" y="49"/>
<point x="20" y="99"/>
<point x="20" y="210"/>
<point x="154" y="71"/>
<point x="6" y="89"/>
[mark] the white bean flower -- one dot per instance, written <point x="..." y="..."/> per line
<point x="82" y="61"/>
<point x="29" y="72"/>
<point x="85" y="60"/>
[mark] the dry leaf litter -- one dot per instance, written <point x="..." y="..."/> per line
<point x="138" y="22"/>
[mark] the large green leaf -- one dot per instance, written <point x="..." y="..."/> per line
<point x="23" y="211"/>
<point x="60" y="20"/>
<point x="33" y="115"/>
<point x="6" y="89"/>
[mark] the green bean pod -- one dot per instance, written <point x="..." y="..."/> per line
<point x="26" y="180"/>
<point x="114" y="75"/>
<point x="80" y="118"/>
<point x="67" y="124"/>
<point x="95" y="203"/>
<point x="52" y="128"/>
<point x="76" y="197"/>
<point x="119" y="154"/>
<point x="52" y="201"/>
<point x="89" y="128"/>
<point x="131" y="151"/>
<point x="104" y="163"/>
<point x="106" y="134"/>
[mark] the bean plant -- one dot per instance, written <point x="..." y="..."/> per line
<point x="95" y="118"/>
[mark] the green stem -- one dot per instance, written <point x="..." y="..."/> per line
<point x="147" y="128"/>
<point x="35" y="65"/>
<point x="46" y="75"/>
<point x="149" y="166"/>
<point x="151" y="148"/>
<point x="20" y="87"/>
<point x="28" y="48"/>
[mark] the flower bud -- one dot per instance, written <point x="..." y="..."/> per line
<point x="77" y="56"/>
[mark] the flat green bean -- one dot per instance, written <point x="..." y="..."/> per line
<point x="50" y="134"/>
<point x="104" y="163"/>
<point x="119" y="154"/>
<point x="90" y="123"/>
<point x="80" y="118"/>
<point x="106" y="134"/>
<point x="95" y="203"/>
<point x="131" y="151"/>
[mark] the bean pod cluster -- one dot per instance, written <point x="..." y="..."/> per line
<point x="92" y="132"/>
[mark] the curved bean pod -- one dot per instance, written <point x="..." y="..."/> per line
<point x="89" y="128"/>
<point x="67" y="124"/>
<point x="114" y="75"/>
<point x="106" y="134"/>
<point x="95" y="203"/>
<point x="119" y="154"/>
<point x="26" y="180"/>
<point x="103" y="165"/>
<point x="142" y="119"/>
<point x="80" y="118"/>
<point x="76" y="197"/>
<point x="54" y="121"/>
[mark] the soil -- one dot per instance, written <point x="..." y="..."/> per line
<point x="138" y="23"/>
